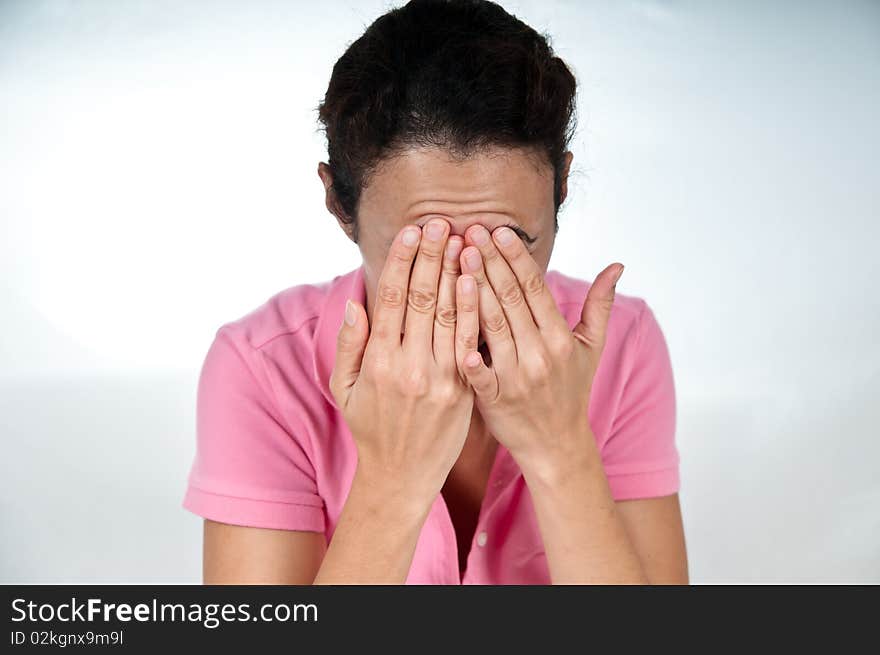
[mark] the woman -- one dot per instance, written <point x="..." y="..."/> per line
<point x="441" y="414"/>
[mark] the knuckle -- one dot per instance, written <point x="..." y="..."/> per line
<point x="415" y="382"/>
<point x="450" y="268"/>
<point x="490" y="254"/>
<point x="496" y="324"/>
<point x="382" y="332"/>
<point x="606" y="304"/>
<point x="447" y="316"/>
<point x="466" y="304"/>
<point x="377" y="368"/>
<point x="534" y="284"/>
<point x="401" y="255"/>
<point x="561" y="347"/>
<point x="430" y="253"/>
<point x="468" y="341"/>
<point x="345" y="348"/>
<point x="510" y="293"/>
<point x="539" y="367"/>
<point x="446" y="394"/>
<point x="517" y="393"/>
<point x="422" y="301"/>
<point x="390" y="296"/>
<point x="343" y="343"/>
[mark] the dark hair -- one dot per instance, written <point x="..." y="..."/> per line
<point x="457" y="74"/>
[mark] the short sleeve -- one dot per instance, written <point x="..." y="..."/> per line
<point x="640" y="456"/>
<point x="249" y="467"/>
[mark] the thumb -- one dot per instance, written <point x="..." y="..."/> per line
<point x="597" y="309"/>
<point x="350" y="344"/>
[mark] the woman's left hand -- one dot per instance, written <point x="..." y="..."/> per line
<point x="534" y="395"/>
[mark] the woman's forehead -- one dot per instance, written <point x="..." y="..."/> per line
<point x="494" y="188"/>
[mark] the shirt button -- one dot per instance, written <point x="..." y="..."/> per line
<point x="481" y="539"/>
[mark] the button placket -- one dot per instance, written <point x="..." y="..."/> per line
<point x="503" y="472"/>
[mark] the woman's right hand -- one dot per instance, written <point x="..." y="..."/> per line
<point x="402" y="397"/>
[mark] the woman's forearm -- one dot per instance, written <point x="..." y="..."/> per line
<point x="584" y="537"/>
<point x="406" y="406"/>
<point x="376" y="535"/>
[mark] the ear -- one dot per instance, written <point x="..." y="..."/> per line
<point x="332" y="202"/>
<point x="563" y="191"/>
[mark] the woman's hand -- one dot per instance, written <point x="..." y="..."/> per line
<point x="535" y="394"/>
<point x="403" y="399"/>
<point x="535" y="398"/>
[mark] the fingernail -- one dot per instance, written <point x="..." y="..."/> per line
<point x="350" y="314"/>
<point x="504" y="236"/>
<point x="434" y="230"/>
<point x="467" y="284"/>
<point x="473" y="360"/>
<point x="473" y="260"/>
<point x="453" y="249"/>
<point x="410" y="237"/>
<point x="479" y="235"/>
<point x="619" y="273"/>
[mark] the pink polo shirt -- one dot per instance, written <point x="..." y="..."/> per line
<point x="273" y="450"/>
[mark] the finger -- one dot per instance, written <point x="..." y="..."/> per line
<point x="423" y="284"/>
<point x="445" y="318"/>
<point x="481" y="378"/>
<point x="493" y="322"/>
<point x="507" y="290"/>
<point x="543" y="306"/>
<point x="351" y="342"/>
<point x="391" y="291"/>
<point x="467" y="322"/>
<point x="593" y="325"/>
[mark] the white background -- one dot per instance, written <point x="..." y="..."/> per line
<point x="158" y="178"/>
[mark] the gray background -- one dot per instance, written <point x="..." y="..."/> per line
<point x="158" y="178"/>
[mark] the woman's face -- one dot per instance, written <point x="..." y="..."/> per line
<point x="498" y="187"/>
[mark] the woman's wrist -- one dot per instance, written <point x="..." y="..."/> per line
<point x="384" y="495"/>
<point x="574" y="455"/>
<point x="376" y="535"/>
<point x="583" y="535"/>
